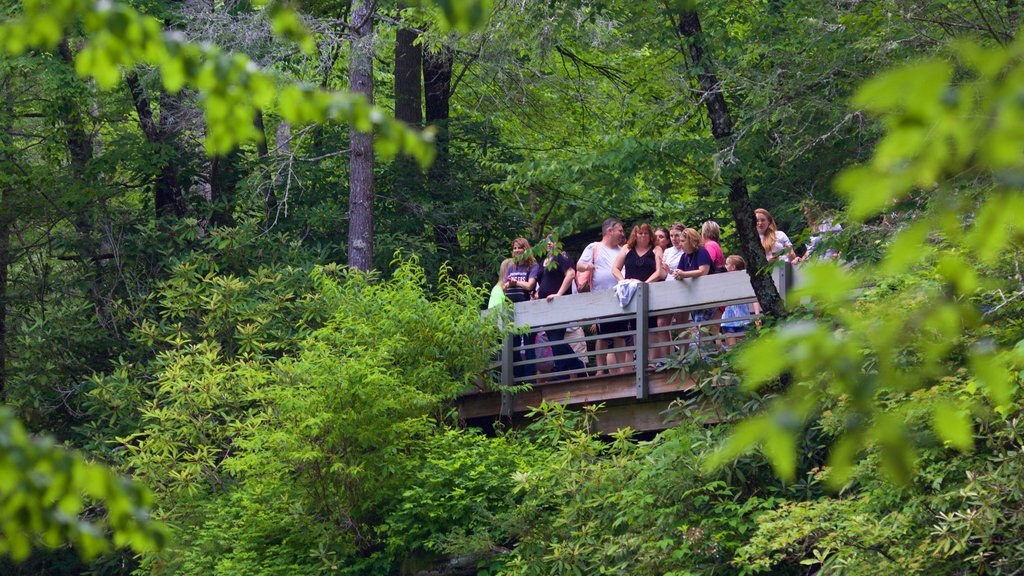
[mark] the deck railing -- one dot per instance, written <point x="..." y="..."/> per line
<point x="672" y="301"/>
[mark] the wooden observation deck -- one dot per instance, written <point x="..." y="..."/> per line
<point x="634" y="394"/>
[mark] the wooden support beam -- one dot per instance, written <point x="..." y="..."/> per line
<point x="640" y="338"/>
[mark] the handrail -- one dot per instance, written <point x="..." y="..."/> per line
<point x="650" y="300"/>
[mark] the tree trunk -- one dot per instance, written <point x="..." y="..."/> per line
<point x="168" y="195"/>
<point x="80" y="144"/>
<point x="437" y="82"/>
<point x="224" y="178"/>
<point x="6" y="218"/>
<point x="361" y="196"/>
<point x="408" y="78"/>
<point x="689" y="30"/>
<point x="6" y="222"/>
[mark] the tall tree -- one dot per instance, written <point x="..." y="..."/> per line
<point x="6" y="220"/>
<point x="360" y="179"/>
<point x="437" y="83"/>
<point x="408" y="77"/>
<point x="168" y="194"/>
<point x="710" y="90"/>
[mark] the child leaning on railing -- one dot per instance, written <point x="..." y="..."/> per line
<point x="734" y="328"/>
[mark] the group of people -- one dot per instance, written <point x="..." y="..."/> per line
<point x="650" y="254"/>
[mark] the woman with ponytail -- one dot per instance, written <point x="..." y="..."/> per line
<point x="774" y="241"/>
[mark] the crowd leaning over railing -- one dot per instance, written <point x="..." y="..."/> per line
<point x="619" y="263"/>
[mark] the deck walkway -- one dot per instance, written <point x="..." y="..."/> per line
<point x="635" y="396"/>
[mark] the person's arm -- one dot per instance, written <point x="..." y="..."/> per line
<point x="586" y="261"/>
<point x="620" y="262"/>
<point x="566" y="286"/>
<point x="531" y="278"/>
<point x="658" y="275"/>
<point x="701" y="270"/>
<point x="788" y="246"/>
<point x="503" y="271"/>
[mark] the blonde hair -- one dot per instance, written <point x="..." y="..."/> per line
<point x="711" y="230"/>
<point x="691" y="237"/>
<point x="768" y="243"/>
<point x="737" y="261"/>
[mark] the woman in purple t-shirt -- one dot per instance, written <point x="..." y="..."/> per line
<point x="519" y="283"/>
<point x="693" y="263"/>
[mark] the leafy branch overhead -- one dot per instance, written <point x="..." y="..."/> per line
<point x="947" y="121"/>
<point x="232" y="87"/>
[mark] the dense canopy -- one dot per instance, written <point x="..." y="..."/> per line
<point x="244" y="247"/>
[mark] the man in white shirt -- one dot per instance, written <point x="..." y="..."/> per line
<point x="603" y="279"/>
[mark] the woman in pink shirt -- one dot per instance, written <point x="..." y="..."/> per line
<point x="710" y="234"/>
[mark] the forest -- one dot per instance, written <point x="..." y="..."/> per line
<point x="245" y="246"/>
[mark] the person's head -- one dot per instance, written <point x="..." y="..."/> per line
<point x="521" y="251"/>
<point x="641" y="236"/>
<point x="612" y="229"/>
<point x="765" y="221"/>
<point x="661" y="238"/>
<point x="551" y="242"/>
<point x="766" y="228"/>
<point x="691" y="240"/>
<point x="710" y="231"/>
<point x="675" y="234"/>
<point x="735" y="262"/>
<point x="812" y="212"/>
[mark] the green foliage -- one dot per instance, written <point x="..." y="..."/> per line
<point x="620" y="507"/>
<point x="458" y="499"/>
<point x="233" y="87"/>
<point x="46" y="493"/>
<point x="862" y="352"/>
<point x="326" y="431"/>
<point x="957" y="513"/>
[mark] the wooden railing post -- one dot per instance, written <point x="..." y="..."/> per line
<point x="640" y="338"/>
<point x="781" y="276"/>
<point x="507" y="374"/>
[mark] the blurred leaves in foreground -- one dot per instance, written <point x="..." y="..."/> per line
<point x="953" y="152"/>
<point x="51" y="496"/>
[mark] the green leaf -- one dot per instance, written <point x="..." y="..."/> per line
<point x="993" y="372"/>
<point x="916" y="89"/>
<point x="952" y="424"/>
<point x="780" y="446"/>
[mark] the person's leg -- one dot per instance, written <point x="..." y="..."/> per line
<point x="531" y="353"/>
<point x="653" y="339"/>
<point x="600" y="345"/>
<point x="620" y="357"/>
<point x="574" y="339"/>
<point x="559" y="348"/>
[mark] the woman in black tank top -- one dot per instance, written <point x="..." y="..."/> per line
<point x="639" y="261"/>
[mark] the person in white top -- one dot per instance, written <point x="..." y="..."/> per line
<point x="670" y="259"/>
<point x="777" y="245"/>
<point x="669" y="262"/>
<point x="603" y="279"/>
<point x="822" y="227"/>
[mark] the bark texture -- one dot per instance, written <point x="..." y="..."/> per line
<point x="689" y="29"/>
<point x="168" y="194"/>
<point x="5" y="261"/>
<point x="408" y="77"/>
<point x="437" y="84"/>
<point x="361" y="194"/>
